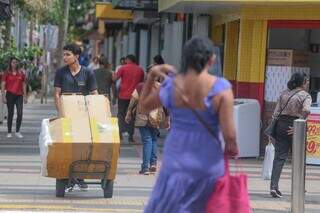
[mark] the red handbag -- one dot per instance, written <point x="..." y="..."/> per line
<point x="230" y="194"/>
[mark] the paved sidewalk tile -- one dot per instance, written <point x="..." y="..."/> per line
<point x="23" y="189"/>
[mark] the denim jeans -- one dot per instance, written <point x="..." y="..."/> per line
<point x="149" y="141"/>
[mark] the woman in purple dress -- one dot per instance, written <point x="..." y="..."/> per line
<point x="192" y="158"/>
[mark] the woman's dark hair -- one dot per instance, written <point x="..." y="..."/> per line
<point x="196" y="54"/>
<point x="10" y="61"/>
<point x="158" y="59"/>
<point x="297" y="80"/>
<point x="74" y="48"/>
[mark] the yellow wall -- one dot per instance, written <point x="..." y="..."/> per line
<point x="231" y="50"/>
<point x="310" y="12"/>
<point x="252" y="51"/>
<point x="106" y="11"/>
<point x="217" y="34"/>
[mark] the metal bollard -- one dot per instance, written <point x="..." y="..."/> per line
<point x="298" y="166"/>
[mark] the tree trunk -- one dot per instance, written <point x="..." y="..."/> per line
<point x="31" y="32"/>
<point x="63" y="29"/>
<point x="7" y="34"/>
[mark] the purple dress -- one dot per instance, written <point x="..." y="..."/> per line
<point x="192" y="158"/>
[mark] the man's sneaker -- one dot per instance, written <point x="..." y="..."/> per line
<point x="18" y="135"/>
<point x="276" y="193"/>
<point x="82" y="185"/>
<point x="144" y="172"/>
<point x="153" y="169"/>
<point x="69" y="189"/>
<point x="9" y="135"/>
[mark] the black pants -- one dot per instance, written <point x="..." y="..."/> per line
<point x="122" y="111"/>
<point x="282" y="146"/>
<point x="12" y="100"/>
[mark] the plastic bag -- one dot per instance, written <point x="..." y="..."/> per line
<point x="44" y="141"/>
<point x="268" y="162"/>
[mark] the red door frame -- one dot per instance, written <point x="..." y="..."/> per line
<point x="315" y="24"/>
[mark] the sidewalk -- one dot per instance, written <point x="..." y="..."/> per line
<point x="22" y="189"/>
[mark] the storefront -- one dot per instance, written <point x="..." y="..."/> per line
<point x="247" y="32"/>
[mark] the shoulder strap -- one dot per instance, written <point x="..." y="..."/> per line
<point x="185" y="100"/>
<point x="287" y="103"/>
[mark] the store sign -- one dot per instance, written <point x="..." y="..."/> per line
<point x="313" y="136"/>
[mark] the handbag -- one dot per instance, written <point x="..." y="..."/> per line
<point x="270" y="131"/>
<point x="230" y="193"/>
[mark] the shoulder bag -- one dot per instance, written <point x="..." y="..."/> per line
<point x="270" y="131"/>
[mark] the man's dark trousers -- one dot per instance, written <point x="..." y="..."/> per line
<point x="123" y="105"/>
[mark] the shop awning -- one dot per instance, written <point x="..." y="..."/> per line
<point x="212" y="6"/>
<point x="135" y="4"/>
<point x="106" y="11"/>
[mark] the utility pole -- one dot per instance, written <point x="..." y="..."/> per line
<point x="63" y="29"/>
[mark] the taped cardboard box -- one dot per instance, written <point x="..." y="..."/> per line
<point x="65" y="144"/>
<point x="105" y="132"/>
<point x="80" y="137"/>
<point x="74" y="107"/>
<point x="286" y="57"/>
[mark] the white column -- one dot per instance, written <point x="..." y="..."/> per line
<point x="143" y="49"/>
<point x="154" y="42"/>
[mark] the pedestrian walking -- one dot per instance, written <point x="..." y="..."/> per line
<point x="103" y="76"/>
<point x="73" y="78"/>
<point x="148" y="125"/>
<point x="131" y="74"/>
<point x="14" y="93"/>
<point x="94" y="63"/>
<point x="193" y="159"/>
<point x="293" y="103"/>
<point x="157" y="60"/>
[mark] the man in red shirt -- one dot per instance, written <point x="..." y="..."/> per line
<point x="131" y="75"/>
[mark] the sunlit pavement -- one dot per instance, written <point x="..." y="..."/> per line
<point x="23" y="189"/>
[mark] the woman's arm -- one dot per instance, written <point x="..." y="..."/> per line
<point x="3" y="92"/>
<point x="225" y="111"/>
<point x="150" y="98"/>
<point x="132" y="105"/>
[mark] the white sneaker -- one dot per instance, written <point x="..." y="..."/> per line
<point x="18" y="135"/>
<point x="9" y="135"/>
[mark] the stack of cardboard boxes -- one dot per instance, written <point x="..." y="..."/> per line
<point x="86" y="131"/>
<point x="281" y="64"/>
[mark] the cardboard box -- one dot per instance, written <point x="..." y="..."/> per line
<point x="284" y="57"/>
<point x="69" y="143"/>
<point x="87" y="131"/>
<point x="74" y="107"/>
<point x="105" y="132"/>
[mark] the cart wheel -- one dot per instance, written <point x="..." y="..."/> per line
<point x="107" y="187"/>
<point x="61" y="187"/>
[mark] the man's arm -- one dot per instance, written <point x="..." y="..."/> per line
<point x="117" y="75"/>
<point x="57" y="101"/>
<point x="93" y="83"/>
<point x="94" y="92"/>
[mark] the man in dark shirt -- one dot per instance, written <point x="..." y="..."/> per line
<point x="131" y="74"/>
<point x="104" y="79"/>
<point x="73" y="78"/>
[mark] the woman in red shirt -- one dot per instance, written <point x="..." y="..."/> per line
<point x="13" y="89"/>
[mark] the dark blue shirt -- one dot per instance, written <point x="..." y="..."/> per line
<point x="83" y="82"/>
